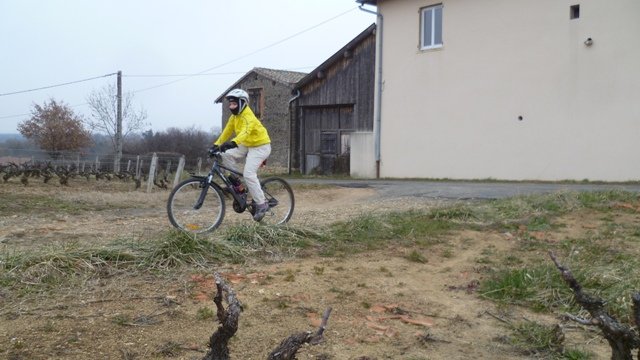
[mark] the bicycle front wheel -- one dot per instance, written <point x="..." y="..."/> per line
<point x="184" y="212"/>
<point x="280" y="198"/>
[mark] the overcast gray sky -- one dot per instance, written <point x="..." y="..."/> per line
<point x="153" y="42"/>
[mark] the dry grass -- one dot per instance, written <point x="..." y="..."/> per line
<point x="427" y="259"/>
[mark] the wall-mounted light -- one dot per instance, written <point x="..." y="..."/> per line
<point x="588" y="42"/>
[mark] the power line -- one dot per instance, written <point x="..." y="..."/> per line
<point x="249" y="54"/>
<point x="57" y="85"/>
<point x="132" y="76"/>
<point x="207" y="74"/>
<point x="183" y="76"/>
<point x="29" y="114"/>
<point x="12" y="116"/>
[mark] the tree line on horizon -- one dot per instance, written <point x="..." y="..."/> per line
<point x="54" y="128"/>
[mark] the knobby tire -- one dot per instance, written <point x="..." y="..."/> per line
<point x="282" y="202"/>
<point x="183" y="214"/>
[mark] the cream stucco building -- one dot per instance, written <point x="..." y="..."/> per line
<point x="507" y="89"/>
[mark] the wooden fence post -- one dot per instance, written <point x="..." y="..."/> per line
<point x="199" y="165"/>
<point x="138" y="165"/>
<point x="152" y="172"/>
<point x="128" y="165"/>
<point x="97" y="163"/>
<point x="176" y="179"/>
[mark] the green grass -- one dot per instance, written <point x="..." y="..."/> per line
<point x="178" y="248"/>
<point x="257" y="236"/>
<point x="534" y="338"/>
<point x="525" y="286"/>
<point x="373" y="231"/>
<point x="454" y="213"/>
<point x="544" y="341"/>
<point x="577" y="354"/>
<point x="205" y="313"/>
<point x="604" y="199"/>
<point x="605" y="260"/>
<point x="416" y="257"/>
<point x="607" y="266"/>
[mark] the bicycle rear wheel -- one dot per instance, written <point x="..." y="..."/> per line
<point x="186" y="216"/>
<point x="281" y="201"/>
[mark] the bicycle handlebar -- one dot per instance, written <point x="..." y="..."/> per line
<point x="216" y="152"/>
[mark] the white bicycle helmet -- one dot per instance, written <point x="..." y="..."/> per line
<point x="241" y="97"/>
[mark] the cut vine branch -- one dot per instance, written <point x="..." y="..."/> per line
<point x="289" y="347"/>
<point x="228" y="319"/>
<point x="621" y="338"/>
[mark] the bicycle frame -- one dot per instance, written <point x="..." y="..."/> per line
<point x="217" y="169"/>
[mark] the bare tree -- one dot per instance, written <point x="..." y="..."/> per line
<point x="104" y="116"/>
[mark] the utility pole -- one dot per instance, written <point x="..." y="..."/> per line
<point x="118" y="154"/>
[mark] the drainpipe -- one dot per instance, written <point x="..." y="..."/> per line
<point x="377" y="101"/>
<point x="292" y="117"/>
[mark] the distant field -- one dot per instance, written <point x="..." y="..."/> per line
<point x="4" y="137"/>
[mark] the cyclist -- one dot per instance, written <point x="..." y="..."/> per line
<point x="251" y="144"/>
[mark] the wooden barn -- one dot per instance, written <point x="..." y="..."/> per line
<point x="269" y="98"/>
<point x="333" y="112"/>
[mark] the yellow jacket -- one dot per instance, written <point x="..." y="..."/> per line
<point x="248" y="129"/>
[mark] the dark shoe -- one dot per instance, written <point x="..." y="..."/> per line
<point x="261" y="210"/>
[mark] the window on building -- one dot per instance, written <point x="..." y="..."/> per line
<point x="328" y="143"/>
<point x="431" y="27"/>
<point x="345" y="143"/>
<point x="574" y="11"/>
<point x="255" y="101"/>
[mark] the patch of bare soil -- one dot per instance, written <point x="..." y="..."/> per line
<point x="384" y="306"/>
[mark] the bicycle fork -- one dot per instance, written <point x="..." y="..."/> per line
<point x="203" y="193"/>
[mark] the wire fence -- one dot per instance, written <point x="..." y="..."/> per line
<point x="99" y="161"/>
<point x="159" y="169"/>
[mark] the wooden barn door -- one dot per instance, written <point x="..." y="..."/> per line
<point x="326" y="139"/>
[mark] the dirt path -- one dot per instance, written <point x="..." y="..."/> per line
<point x="138" y="214"/>
<point x="384" y="306"/>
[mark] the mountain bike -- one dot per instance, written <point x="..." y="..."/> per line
<point x="197" y="205"/>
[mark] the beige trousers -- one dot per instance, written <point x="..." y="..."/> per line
<point x="253" y="158"/>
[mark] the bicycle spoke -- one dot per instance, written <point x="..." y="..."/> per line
<point x="188" y="213"/>
<point x="281" y="201"/>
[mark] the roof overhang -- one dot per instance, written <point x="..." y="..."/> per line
<point x="368" y="2"/>
<point x="344" y="51"/>
<point x="286" y="77"/>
